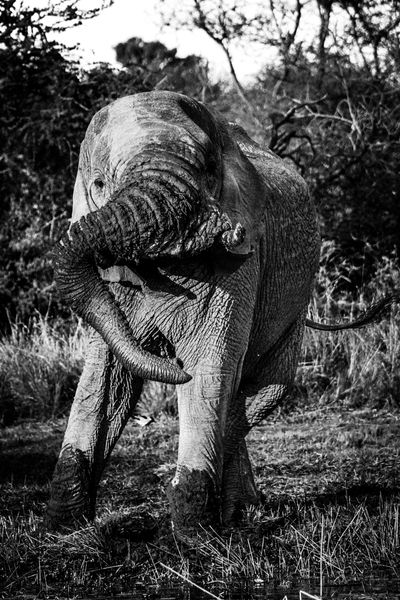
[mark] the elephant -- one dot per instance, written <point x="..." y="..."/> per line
<point x="191" y="256"/>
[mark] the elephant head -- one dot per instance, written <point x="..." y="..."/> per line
<point x="158" y="177"/>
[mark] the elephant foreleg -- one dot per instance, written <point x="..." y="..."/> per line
<point x="104" y="400"/>
<point x="195" y="491"/>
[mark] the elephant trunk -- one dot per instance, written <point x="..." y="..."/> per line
<point x="127" y="228"/>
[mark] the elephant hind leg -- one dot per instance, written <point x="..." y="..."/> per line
<point x="239" y="488"/>
<point x="271" y="383"/>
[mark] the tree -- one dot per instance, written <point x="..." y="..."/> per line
<point x="162" y="69"/>
<point x="47" y="103"/>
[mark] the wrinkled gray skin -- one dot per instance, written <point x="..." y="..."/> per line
<point x="207" y="246"/>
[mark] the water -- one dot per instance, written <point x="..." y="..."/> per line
<point x="376" y="589"/>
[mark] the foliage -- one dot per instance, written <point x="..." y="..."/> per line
<point x="357" y="368"/>
<point x="47" y="103"/>
<point x="344" y="136"/>
<point x="328" y="100"/>
<point x="161" y="69"/>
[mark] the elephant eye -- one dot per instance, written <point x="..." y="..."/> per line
<point x="97" y="191"/>
<point x="99" y="184"/>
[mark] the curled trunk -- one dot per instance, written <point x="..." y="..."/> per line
<point x="147" y="220"/>
<point x="124" y="229"/>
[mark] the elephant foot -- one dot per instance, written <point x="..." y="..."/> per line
<point x="239" y="488"/>
<point x="70" y="503"/>
<point x="193" y="501"/>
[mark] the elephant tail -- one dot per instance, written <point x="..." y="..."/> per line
<point x="369" y="316"/>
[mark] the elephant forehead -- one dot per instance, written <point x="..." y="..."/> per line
<point x="152" y="122"/>
<point x="116" y="146"/>
<point x="133" y="119"/>
<point x="97" y="127"/>
<point x="167" y="107"/>
<point x="144" y="141"/>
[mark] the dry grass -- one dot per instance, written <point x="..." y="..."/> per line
<point x="39" y="369"/>
<point x="360" y="367"/>
<point x="357" y="367"/>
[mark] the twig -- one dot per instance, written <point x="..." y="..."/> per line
<point x="303" y="595"/>
<point x="191" y="582"/>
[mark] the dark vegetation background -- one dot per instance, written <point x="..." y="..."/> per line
<point x="328" y="100"/>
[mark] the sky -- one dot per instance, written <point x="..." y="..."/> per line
<point x="139" y="18"/>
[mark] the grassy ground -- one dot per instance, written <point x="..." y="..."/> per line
<point x="331" y="505"/>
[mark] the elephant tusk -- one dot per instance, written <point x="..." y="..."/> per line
<point x="117" y="274"/>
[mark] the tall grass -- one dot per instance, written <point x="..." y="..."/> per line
<point x="361" y="366"/>
<point x="39" y="369"/>
<point x="340" y="540"/>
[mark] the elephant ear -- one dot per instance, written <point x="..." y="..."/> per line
<point x="253" y="179"/>
<point x="243" y="194"/>
<point x="80" y="199"/>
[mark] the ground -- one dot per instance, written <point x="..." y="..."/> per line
<point x="330" y="484"/>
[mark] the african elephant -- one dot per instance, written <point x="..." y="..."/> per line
<point x="191" y="254"/>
